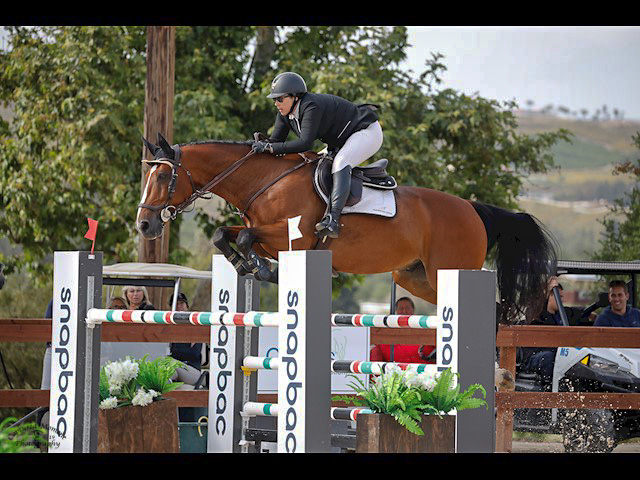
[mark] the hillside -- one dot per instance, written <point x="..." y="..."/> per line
<point x="571" y="198"/>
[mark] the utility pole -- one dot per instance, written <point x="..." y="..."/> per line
<point x="158" y="118"/>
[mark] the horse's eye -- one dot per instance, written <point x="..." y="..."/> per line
<point x="163" y="176"/>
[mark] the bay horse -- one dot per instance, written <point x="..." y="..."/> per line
<point x="431" y="230"/>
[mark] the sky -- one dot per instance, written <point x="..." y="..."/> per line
<point x="575" y="67"/>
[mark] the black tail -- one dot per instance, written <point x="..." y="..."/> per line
<point x="526" y="256"/>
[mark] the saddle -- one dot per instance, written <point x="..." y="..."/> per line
<point x="373" y="175"/>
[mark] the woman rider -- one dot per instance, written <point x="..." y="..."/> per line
<point x="353" y="131"/>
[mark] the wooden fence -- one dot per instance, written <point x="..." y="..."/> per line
<point x="511" y="337"/>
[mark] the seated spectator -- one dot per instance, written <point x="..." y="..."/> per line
<point x="542" y="359"/>
<point x="404" y="353"/>
<point x="188" y="353"/>
<point x="618" y="313"/>
<point x="118" y="303"/>
<point x="137" y="298"/>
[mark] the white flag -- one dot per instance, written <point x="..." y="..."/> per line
<point x="294" y="231"/>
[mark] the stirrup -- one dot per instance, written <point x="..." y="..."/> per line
<point x="331" y="229"/>
<point x="324" y="223"/>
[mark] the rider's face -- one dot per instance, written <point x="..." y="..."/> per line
<point x="284" y="104"/>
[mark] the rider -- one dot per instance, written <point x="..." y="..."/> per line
<point x="351" y="130"/>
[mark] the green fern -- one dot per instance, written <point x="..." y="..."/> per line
<point x="390" y="394"/>
<point x="156" y="375"/>
<point x="445" y="397"/>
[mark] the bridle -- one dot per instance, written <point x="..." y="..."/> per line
<point x="169" y="212"/>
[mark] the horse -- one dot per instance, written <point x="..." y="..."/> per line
<point x="431" y="230"/>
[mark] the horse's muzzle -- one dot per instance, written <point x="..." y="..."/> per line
<point x="150" y="227"/>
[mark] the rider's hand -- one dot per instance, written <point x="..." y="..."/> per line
<point x="262" y="146"/>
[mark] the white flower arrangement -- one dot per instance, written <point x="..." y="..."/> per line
<point x="136" y="382"/>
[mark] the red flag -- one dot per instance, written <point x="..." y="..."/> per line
<point x="91" y="233"/>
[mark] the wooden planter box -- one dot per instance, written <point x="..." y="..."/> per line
<point x="133" y="429"/>
<point x="377" y="433"/>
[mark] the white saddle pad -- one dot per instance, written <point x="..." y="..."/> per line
<point x="374" y="202"/>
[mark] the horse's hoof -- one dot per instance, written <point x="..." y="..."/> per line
<point x="265" y="275"/>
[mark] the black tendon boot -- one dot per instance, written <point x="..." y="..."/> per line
<point x="330" y="225"/>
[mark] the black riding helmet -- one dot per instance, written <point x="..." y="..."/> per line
<point x="287" y="83"/>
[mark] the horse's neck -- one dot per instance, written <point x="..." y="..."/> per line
<point x="240" y="185"/>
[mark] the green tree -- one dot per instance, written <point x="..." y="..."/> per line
<point x="72" y="150"/>
<point x="620" y="240"/>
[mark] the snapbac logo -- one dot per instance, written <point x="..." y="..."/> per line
<point x="445" y="339"/>
<point x="222" y="362"/>
<point x="290" y="363"/>
<point x="62" y="357"/>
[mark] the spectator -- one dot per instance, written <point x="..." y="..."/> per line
<point x="404" y="353"/>
<point x="137" y="298"/>
<point x="188" y="353"/>
<point x="542" y="359"/>
<point x="118" y="303"/>
<point x="618" y="313"/>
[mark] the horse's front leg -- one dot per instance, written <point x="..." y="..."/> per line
<point x="274" y="235"/>
<point x="222" y="239"/>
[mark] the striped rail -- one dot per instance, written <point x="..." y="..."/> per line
<point x="249" y="319"/>
<point x="344" y="366"/>
<point x="256" y="409"/>
<point x="388" y="321"/>
<point x="253" y="319"/>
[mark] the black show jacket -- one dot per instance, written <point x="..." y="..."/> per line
<point x="321" y="116"/>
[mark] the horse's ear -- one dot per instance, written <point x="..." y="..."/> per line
<point x="164" y="145"/>
<point x="152" y="148"/>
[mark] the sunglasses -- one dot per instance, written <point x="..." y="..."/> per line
<point x="281" y="99"/>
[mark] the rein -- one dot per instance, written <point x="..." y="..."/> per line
<point x="273" y="182"/>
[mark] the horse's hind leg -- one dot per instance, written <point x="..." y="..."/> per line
<point x="413" y="278"/>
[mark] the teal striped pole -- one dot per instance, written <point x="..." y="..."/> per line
<point x="257" y="409"/>
<point x="385" y="321"/>
<point x="345" y="366"/>
<point x="249" y="319"/>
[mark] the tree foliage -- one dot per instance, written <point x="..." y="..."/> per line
<point x="73" y="148"/>
<point x="620" y="240"/>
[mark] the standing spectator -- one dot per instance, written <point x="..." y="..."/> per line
<point x="404" y="353"/>
<point x="618" y="313"/>
<point x="541" y="360"/>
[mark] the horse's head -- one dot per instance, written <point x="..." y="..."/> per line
<point x="165" y="192"/>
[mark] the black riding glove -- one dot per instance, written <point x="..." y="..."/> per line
<point x="262" y="146"/>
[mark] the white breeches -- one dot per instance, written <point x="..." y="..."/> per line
<point x="359" y="147"/>
<point x="188" y="375"/>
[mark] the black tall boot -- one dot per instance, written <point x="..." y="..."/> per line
<point x="330" y="225"/>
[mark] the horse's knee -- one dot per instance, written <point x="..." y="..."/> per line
<point x="219" y="237"/>
<point x="244" y="241"/>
